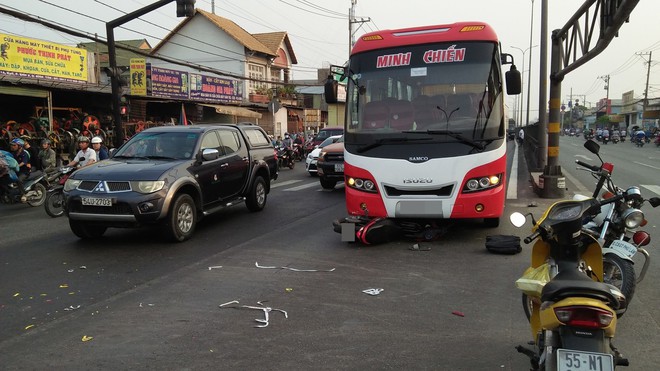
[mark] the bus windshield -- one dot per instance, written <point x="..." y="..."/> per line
<point x="446" y="92"/>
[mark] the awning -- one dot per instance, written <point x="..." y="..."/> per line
<point x="234" y="111"/>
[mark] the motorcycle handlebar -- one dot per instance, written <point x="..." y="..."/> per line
<point x="531" y="238"/>
<point x="590" y="167"/>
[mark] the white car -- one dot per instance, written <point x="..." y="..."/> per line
<point x="312" y="157"/>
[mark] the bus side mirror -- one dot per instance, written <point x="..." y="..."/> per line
<point x="513" y="81"/>
<point x="330" y="89"/>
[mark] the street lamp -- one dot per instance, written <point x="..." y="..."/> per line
<point x="522" y="78"/>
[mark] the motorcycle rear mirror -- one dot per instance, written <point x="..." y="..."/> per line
<point x="517" y="219"/>
<point x="654" y="201"/>
<point x="592" y="146"/>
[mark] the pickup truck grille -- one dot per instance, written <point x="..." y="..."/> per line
<point x="334" y="157"/>
<point x="121" y="208"/>
<point x="118" y="186"/>
<point x="91" y="185"/>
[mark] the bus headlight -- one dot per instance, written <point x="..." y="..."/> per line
<point x="365" y="185"/>
<point x="482" y="183"/>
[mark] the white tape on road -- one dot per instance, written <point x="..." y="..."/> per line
<point x="512" y="189"/>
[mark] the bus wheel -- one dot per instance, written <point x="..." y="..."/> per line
<point x="491" y="222"/>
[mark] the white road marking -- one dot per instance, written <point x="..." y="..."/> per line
<point x="512" y="190"/>
<point x="284" y="183"/>
<point x="653" y="188"/>
<point x="304" y="186"/>
<point x="581" y="188"/>
<point x="643" y="164"/>
<point x="584" y="157"/>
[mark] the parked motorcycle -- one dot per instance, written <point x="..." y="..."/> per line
<point x="615" y="227"/>
<point x="285" y="157"/>
<point x="35" y="190"/>
<point x="572" y="312"/>
<point x="54" y="203"/>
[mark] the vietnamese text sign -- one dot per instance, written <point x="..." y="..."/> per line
<point x="138" y="71"/>
<point x="168" y="83"/>
<point x="215" y="89"/>
<point x="20" y="56"/>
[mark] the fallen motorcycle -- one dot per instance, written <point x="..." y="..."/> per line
<point x="615" y="227"/>
<point x="54" y="203"/>
<point x="572" y="312"/>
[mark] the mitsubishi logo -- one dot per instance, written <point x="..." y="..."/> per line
<point x="99" y="188"/>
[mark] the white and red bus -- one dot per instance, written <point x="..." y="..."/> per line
<point x="425" y="132"/>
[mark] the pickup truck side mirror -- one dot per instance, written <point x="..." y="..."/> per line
<point x="210" y="154"/>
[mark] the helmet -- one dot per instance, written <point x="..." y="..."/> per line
<point x="83" y="138"/>
<point x="20" y="142"/>
<point x="97" y="140"/>
<point x="46" y="141"/>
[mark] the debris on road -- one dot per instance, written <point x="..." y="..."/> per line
<point x="416" y="247"/>
<point x="457" y="313"/>
<point x="373" y="291"/>
<point x="86" y="338"/>
<point x="215" y="267"/>
<point x="294" y="269"/>
<point x="71" y="307"/>
<point x="265" y="322"/>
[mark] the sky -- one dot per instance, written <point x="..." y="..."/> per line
<point x="318" y="31"/>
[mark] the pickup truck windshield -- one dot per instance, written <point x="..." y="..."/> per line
<point x="162" y="146"/>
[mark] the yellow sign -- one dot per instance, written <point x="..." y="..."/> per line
<point x="20" y="56"/>
<point x="138" y="72"/>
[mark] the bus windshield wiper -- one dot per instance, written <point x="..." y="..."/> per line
<point x="459" y="137"/>
<point x="381" y="141"/>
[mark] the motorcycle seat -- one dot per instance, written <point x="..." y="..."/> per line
<point x="574" y="283"/>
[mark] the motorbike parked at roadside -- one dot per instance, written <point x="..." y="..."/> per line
<point x="615" y="227"/>
<point x="572" y="312"/>
<point x="54" y="203"/>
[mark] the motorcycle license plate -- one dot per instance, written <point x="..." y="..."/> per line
<point x="624" y="247"/>
<point x="572" y="360"/>
<point x="339" y="168"/>
<point x="95" y="201"/>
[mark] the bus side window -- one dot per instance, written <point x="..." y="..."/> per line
<point x="374" y="115"/>
<point x="401" y="115"/>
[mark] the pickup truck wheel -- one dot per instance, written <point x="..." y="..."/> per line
<point x="85" y="230"/>
<point x="327" y="184"/>
<point x="256" y="200"/>
<point x="182" y="218"/>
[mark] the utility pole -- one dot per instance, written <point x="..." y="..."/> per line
<point x="351" y="21"/>
<point x="646" y="89"/>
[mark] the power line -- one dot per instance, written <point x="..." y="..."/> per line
<point x="311" y="12"/>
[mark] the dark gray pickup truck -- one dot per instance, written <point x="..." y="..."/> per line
<point x="172" y="176"/>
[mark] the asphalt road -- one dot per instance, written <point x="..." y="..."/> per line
<point x="153" y="305"/>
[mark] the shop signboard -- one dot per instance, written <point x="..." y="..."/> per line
<point x="166" y="83"/>
<point x="215" y="89"/>
<point x="138" y="73"/>
<point x="24" y="57"/>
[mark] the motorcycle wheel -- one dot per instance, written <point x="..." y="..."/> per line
<point x="54" y="204"/>
<point x="292" y="164"/>
<point x="40" y="197"/>
<point x="620" y="273"/>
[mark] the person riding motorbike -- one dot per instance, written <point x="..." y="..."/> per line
<point x="23" y="159"/>
<point x="47" y="157"/>
<point x="287" y="142"/>
<point x="99" y="148"/>
<point x="86" y="156"/>
<point x="33" y="152"/>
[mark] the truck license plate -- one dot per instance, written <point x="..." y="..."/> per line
<point x="339" y="168"/>
<point x="580" y="361"/>
<point x="95" y="201"/>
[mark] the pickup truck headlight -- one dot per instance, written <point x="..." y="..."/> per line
<point x="71" y="184"/>
<point x="148" y="186"/>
